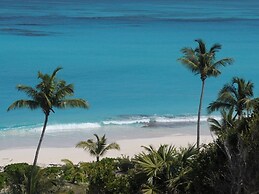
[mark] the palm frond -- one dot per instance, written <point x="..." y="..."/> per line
<point x="215" y="125"/>
<point x="111" y="146"/>
<point x="187" y="154"/>
<point x="67" y="162"/>
<point x="217" y="105"/>
<point x="55" y="72"/>
<point x="103" y="139"/>
<point x="150" y="148"/>
<point x="212" y="72"/>
<point x="202" y="47"/>
<point x="190" y="64"/>
<point x="200" y="61"/>
<point x="150" y="189"/>
<point x="72" y="103"/>
<point x="223" y="62"/>
<point x="188" y="52"/>
<point x="41" y="75"/>
<point x="235" y="96"/>
<point x="31" y="92"/>
<point x="215" y="48"/>
<point x="85" y="144"/>
<point x="64" y="90"/>
<point x="99" y="147"/>
<point x="24" y="104"/>
<point x="150" y="164"/>
<point x="228" y="89"/>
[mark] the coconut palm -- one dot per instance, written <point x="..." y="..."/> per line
<point x="219" y="127"/>
<point x="238" y="95"/>
<point x="50" y="93"/>
<point x="203" y="62"/>
<point x="99" y="147"/>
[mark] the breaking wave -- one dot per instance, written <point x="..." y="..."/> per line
<point x="134" y="120"/>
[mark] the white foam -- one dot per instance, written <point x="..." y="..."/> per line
<point x="131" y="120"/>
<point x="126" y="122"/>
<point x="69" y="127"/>
<point x="159" y="119"/>
<point x="53" y="128"/>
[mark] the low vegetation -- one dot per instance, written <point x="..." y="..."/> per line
<point x="228" y="165"/>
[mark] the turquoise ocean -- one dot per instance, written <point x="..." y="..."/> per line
<point x="121" y="55"/>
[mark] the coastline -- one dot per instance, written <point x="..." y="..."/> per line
<point x="129" y="147"/>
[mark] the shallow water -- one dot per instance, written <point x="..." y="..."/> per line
<point x="121" y="56"/>
<point x="62" y="139"/>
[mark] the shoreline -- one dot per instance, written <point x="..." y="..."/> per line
<point x="129" y="147"/>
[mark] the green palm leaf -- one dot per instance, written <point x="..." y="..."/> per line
<point x="99" y="147"/>
<point x="237" y="96"/>
<point x="48" y="94"/>
<point x="72" y="103"/>
<point x="24" y="104"/>
<point x="203" y="62"/>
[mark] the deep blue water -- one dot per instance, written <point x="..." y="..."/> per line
<point x="121" y="55"/>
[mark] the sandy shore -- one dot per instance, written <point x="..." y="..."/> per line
<point x="129" y="147"/>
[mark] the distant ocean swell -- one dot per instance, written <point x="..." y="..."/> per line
<point x="136" y="121"/>
<point x="38" y="25"/>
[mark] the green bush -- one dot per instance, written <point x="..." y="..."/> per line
<point x="17" y="177"/>
<point x="103" y="177"/>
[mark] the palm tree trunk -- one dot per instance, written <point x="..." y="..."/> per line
<point x="33" y="170"/>
<point x="40" y="141"/>
<point x="199" y="114"/>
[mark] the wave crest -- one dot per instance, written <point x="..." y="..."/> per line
<point x="125" y="120"/>
<point x="155" y="120"/>
<point x="54" y="128"/>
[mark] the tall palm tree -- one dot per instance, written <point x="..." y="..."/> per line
<point x="238" y="95"/>
<point x="99" y="147"/>
<point x="203" y="62"/>
<point x="49" y="93"/>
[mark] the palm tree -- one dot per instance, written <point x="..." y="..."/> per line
<point x="73" y="173"/>
<point x="49" y="93"/>
<point x="99" y="147"/>
<point x="227" y="121"/>
<point x="238" y="95"/>
<point x="203" y="62"/>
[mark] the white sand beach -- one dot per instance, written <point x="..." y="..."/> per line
<point x="129" y="147"/>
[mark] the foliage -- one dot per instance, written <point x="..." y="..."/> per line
<point x="73" y="173"/>
<point x="99" y="147"/>
<point x="203" y="61"/>
<point x="102" y="177"/>
<point x="2" y="180"/>
<point x="17" y="177"/>
<point x="238" y="135"/>
<point x="209" y="171"/>
<point x="49" y="93"/>
<point x="45" y="180"/>
<point x="241" y="146"/>
<point x="235" y="97"/>
<point x="167" y="169"/>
